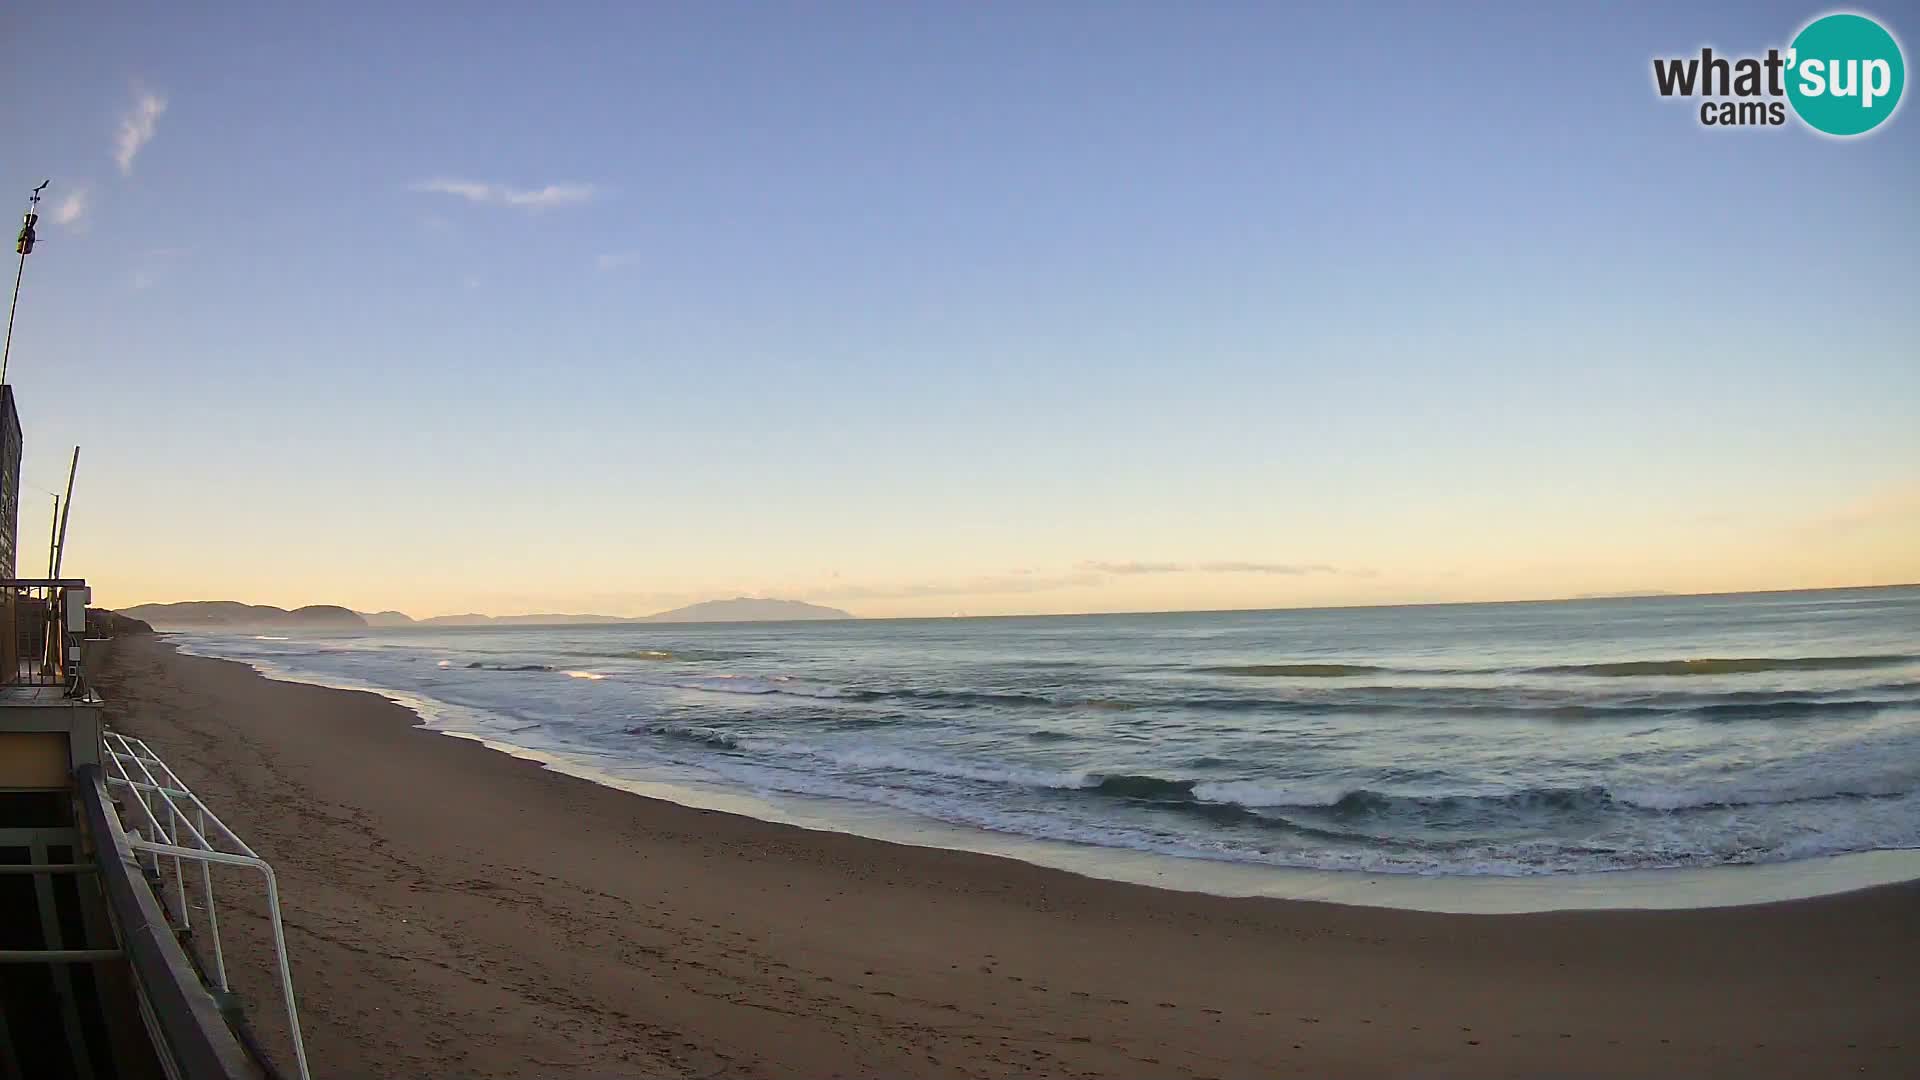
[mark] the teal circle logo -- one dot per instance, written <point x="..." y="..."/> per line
<point x="1845" y="74"/>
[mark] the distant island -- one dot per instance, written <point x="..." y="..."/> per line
<point x="231" y="615"/>
<point x="748" y="609"/>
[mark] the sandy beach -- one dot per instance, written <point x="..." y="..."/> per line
<point x="453" y="911"/>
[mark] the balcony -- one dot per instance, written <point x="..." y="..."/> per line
<point x="42" y="624"/>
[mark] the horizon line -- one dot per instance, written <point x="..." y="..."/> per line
<point x="1650" y="595"/>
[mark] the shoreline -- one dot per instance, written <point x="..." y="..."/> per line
<point x="456" y="911"/>
<point x="1653" y="888"/>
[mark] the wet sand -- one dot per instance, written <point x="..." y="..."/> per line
<point x="453" y="911"/>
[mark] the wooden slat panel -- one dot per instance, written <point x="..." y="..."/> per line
<point x="34" y="761"/>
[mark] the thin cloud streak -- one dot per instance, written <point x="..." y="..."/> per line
<point x="1293" y="569"/>
<point x="1897" y="503"/>
<point x="137" y="129"/>
<point x="1086" y="575"/>
<point x="984" y="586"/>
<point x="1130" y="568"/>
<point x="1125" y="569"/>
<point x="616" y="259"/>
<point x="485" y="194"/>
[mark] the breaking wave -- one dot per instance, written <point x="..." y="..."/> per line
<point x="1364" y="700"/>
<point x="1487" y="741"/>
<point x="1335" y="801"/>
<point x="1366" y="802"/>
<point x="1622" y="668"/>
<point x="1737" y="666"/>
<point x="1295" y="671"/>
<point x="705" y="736"/>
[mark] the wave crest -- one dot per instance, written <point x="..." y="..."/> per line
<point x="1727" y="666"/>
<point x="1743" y="665"/>
<point x="1355" y="802"/>
<point x="706" y="736"/>
<point x="1294" y="671"/>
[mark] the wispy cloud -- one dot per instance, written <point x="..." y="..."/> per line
<point x="979" y="586"/>
<point x="70" y="210"/>
<point x="485" y="194"/>
<point x="617" y="259"/>
<point x="1895" y="503"/>
<point x="136" y="129"/>
<point x="1085" y="575"/>
<point x="1290" y="569"/>
<point x="1294" y="569"/>
<point x="1129" y="568"/>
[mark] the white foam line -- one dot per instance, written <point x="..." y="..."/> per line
<point x="1651" y="889"/>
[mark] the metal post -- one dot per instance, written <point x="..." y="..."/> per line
<point x="213" y="919"/>
<point x="179" y="871"/>
<point x="66" y="511"/>
<point x="6" y="356"/>
<point x="286" y="968"/>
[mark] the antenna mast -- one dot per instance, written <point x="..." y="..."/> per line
<point x="66" y="511"/>
<point x="23" y="245"/>
<point x="53" y="534"/>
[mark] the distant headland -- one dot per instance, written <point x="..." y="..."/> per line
<point x="232" y="615"/>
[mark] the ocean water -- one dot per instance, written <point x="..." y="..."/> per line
<point x="1494" y="739"/>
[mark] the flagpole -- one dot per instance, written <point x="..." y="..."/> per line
<point x="24" y="246"/>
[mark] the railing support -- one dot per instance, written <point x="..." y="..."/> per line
<point x="185" y="838"/>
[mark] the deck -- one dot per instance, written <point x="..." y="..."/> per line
<point x="104" y="866"/>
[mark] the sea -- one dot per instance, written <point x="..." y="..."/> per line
<point x="1513" y="739"/>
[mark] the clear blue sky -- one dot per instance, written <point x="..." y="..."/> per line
<point x="928" y="308"/>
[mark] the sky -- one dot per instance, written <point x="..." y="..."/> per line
<point x="950" y="308"/>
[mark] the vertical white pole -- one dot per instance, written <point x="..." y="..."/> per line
<point x="66" y="511"/>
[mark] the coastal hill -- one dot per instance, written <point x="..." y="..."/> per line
<point x="738" y="609"/>
<point x="231" y="615"/>
<point x="228" y="614"/>
<point x="102" y="623"/>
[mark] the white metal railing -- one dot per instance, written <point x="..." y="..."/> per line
<point x="184" y="830"/>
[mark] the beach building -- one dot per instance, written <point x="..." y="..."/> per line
<point x="110" y="957"/>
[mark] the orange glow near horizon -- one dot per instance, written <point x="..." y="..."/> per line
<point x="1861" y="542"/>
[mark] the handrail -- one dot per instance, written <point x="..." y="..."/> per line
<point x="181" y="839"/>
<point x="185" y="1018"/>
